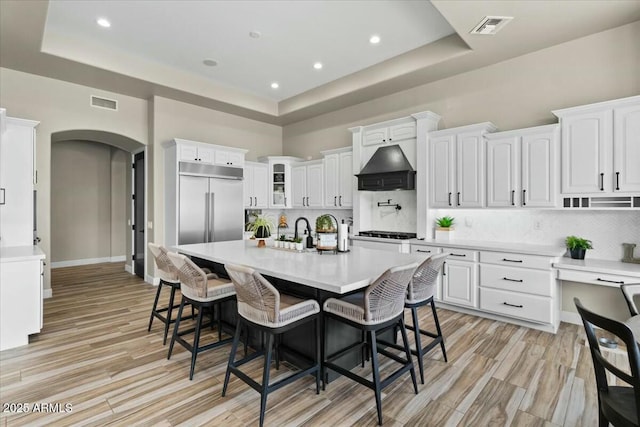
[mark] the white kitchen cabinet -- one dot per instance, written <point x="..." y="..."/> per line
<point x="521" y="167"/>
<point x="339" y="180"/>
<point x="600" y="147"/>
<point x="17" y="179"/>
<point x="21" y="293"/>
<point x="198" y="152"/>
<point x="307" y="185"/>
<point x="460" y="278"/>
<point x="256" y="185"/>
<point x="389" y="134"/>
<point x="456" y="166"/>
<point x="280" y="180"/>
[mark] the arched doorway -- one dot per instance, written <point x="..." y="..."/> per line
<point x="97" y="199"/>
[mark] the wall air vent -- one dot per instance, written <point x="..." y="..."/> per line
<point x="107" y="104"/>
<point x="491" y="25"/>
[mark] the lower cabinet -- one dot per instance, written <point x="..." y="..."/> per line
<point x="20" y="297"/>
<point x="520" y="288"/>
<point x="460" y="278"/>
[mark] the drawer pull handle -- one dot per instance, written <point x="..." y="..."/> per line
<point x="621" y="282"/>
<point x="511" y="260"/>
<point x="513" y="305"/>
<point x="461" y="255"/>
<point x="512" y="280"/>
<point x="420" y="250"/>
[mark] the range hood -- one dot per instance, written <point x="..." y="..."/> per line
<point x="388" y="169"/>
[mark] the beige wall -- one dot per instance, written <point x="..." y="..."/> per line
<point x="173" y="119"/>
<point x="88" y="198"/>
<point x="517" y="93"/>
<point x="62" y="106"/>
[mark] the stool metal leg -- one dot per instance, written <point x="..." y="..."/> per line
<point x="175" y="328"/>
<point x="265" y="378"/>
<point x="416" y="334"/>
<point x="318" y="356"/>
<point x="196" y="342"/>
<point x="375" y="367"/>
<point x="407" y="351"/>
<point x="155" y="306"/>
<point x="232" y="356"/>
<point x="169" y="310"/>
<point x="435" y="317"/>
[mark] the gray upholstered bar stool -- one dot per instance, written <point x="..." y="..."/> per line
<point x="168" y="277"/>
<point x="378" y="308"/>
<point x="420" y="292"/>
<point x="201" y="291"/>
<point x="262" y="307"/>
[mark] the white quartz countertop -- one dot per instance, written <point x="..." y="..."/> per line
<point x="599" y="266"/>
<point x="520" y="248"/>
<point x="20" y="253"/>
<point x="339" y="273"/>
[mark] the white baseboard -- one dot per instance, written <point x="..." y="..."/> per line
<point x="150" y="279"/>
<point x="47" y="293"/>
<point x="570" y="317"/>
<point x="128" y="268"/>
<point x="87" y="261"/>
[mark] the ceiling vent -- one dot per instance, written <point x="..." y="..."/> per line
<point x="107" y="104"/>
<point x="491" y="25"/>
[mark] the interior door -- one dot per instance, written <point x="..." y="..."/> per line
<point x="138" y="214"/>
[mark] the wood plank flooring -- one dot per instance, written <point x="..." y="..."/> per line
<point x="95" y="355"/>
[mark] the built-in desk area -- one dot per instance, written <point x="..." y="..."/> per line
<point x="597" y="272"/>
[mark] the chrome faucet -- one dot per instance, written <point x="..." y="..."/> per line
<point x="309" y="237"/>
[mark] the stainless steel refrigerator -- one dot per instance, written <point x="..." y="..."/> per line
<point x="211" y="208"/>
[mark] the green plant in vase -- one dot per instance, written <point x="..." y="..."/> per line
<point x="577" y="246"/>
<point x="444" y="228"/>
<point x="261" y="227"/>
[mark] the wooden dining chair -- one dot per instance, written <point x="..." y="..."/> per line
<point x="618" y="405"/>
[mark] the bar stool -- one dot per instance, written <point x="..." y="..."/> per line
<point x="168" y="277"/>
<point x="201" y="292"/>
<point x="262" y="307"/>
<point x="420" y="292"/>
<point x="378" y="308"/>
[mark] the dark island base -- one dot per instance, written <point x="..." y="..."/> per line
<point x="300" y="340"/>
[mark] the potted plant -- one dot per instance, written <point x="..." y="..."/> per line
<point x="444" y="228"/>
<point x="261" y="228"/>
<point x="282" y="242"/>
<point x="577" y="246"/>
<point x="298" y="242"/>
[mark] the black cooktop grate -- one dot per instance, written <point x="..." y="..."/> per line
<point x="399" y="235"/>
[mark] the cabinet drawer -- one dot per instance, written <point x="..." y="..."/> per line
<point x="516" y="279"/>
<point x="516" y="260"/>
<point x="428" y="250"/>
<point x="596" y="278"/>
<point x="530" y="307"/>
<point x="461" y="254"/>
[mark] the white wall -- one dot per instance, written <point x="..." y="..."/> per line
<point x="62" y="106"/>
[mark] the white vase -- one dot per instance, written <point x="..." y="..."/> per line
<point x="299" y="246"/>
<point x="445" y="233"/>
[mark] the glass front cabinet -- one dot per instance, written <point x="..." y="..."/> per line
<point x="280" y="180"/>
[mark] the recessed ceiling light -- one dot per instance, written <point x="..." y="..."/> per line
<point x="254" y="34"/>
<point x="275" y="85"/>
<point x="374" y="39"/>
<point x="317" y="65"/>
<point x="103" y="22"/>
<point x="210" y="62"/>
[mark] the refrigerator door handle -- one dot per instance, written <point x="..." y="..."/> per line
<point x="211" y="216"/>
<point x="206" y="217"/>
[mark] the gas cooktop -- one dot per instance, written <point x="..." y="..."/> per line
<point x="400" y="235"/>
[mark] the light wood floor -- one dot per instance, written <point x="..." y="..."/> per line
<point x="95" y="354"/>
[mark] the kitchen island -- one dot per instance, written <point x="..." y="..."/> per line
<point x="307" y="274"/>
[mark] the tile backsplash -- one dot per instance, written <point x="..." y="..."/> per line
<point x="606" y="229"/>
<point x="388" y="218"/>
<point x="310" y="214"/>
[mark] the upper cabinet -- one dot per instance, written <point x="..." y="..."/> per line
<point x="601" y="147"/>
<point x="307" y="185"/>
<point x="198" y="152"/>
<point x="17" y="179"/>
<point x="367" y="139"/>
<point x="256" y="185"/>
<point x="279" y="182"/>
<point x="389" y="134"/>
<point x="456" y="166"/>
<point x="521" y="167"/>
<point x="339" y="180"/>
